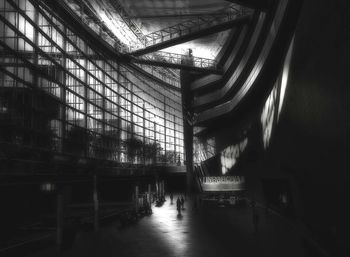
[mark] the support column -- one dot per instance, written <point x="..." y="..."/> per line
<point x="187" y="111"/>
<point x="119" y="154"/>
<point x="143" y="133"/>
<point x="161" y="188"/>
<point x="157" y="189"/>
<point x="103" y="99"/>
<point x="86" y="98"/>
<point x="35" y="75"/>
<point x="63" y="90"/>
<point x="96" y="204"/>
<point x="155" y="141"/>
<point x="137" y="198"/>
<point x="175" y="153"/>
<point x="149" y="195"/>
<point x="165" y="134"/>
<point x="59" y="220"/>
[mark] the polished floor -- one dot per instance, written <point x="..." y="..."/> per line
<point x="206" y="232"/>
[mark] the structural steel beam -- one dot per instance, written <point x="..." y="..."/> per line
<point x="168" y="60"/>
<point x="75" y="22"/>
<point x="174" y="58"/>
<point x="254" y="4"/>
<point x="136" y="30"/>
<point x="177" y="66"/>
<point x="181" y="33"/>
<point x="171" y="16"/>
<point x="88" y="13"/>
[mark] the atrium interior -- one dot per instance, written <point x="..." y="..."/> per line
<point x="174" y="127"/>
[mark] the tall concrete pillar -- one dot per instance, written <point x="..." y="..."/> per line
<point x="96" y="204"/>
<point x="187" y="96"/>
<point x="163" y="189"/>
<point x="157" y="189"/>
<point x="149" y="194"/>
<point x="137" y="198"/>
<point x="59" y="220"/>
<point x="160" y="189"/>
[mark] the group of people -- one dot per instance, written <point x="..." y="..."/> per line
<point x="180" y="202"/>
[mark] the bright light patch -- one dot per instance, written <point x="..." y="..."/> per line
<point x="268" y="113"/>
<point x="203" y="150"/>
<point x="116" y="24"/>
<point x="285" y="75"/>
<point x="267" y="116"/>
<point x="230" y="155"/>
<point x="173" y="231"/>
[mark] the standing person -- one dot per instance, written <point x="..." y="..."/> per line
<point x="182" y="202"/>
<point x="178" y="206"/>
<point x="171" y="198"/>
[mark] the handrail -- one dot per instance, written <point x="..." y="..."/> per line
<point x="193" y="25"/>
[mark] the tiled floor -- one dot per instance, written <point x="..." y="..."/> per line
<point x="209" y="232"/>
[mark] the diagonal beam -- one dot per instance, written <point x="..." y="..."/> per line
<point x="134" y="28"/>
<point x="88" y="14"/>
<point x="171" y="16"/>
<point x="254" y="4"/>
<point x="185" y="32"/>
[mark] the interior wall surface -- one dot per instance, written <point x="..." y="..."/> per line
<point x="312" y="140"/>
<point x="309" y="146"/>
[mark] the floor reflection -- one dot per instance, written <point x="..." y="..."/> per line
<point x="174" y="227"/>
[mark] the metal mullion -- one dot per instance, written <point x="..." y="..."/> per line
<point x="31" y="85"/>
<point x="103" y="98"/>
<point x="63" y="92"/>
<point x="54" y="43"/>
<point x="94" y="63"/>
<point x="175" y="153"/>
<point x="86" y="95"/>
<point x="35" y="74"/>
<point x="33" y="67"/>
<point x="37" y="48"/>
<point x="147" y="85"/>
<point x="118" y="112"/>
<point x="124" y="77"/>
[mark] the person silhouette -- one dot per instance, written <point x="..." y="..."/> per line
<point x="171" y="198"/>
<point x="178" y="205"/>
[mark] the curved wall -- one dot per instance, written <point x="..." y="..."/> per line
<point x="307" y="151"/>
<point x="256" y="65"/>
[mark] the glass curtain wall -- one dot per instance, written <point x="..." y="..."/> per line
<point x="58" y="94"/>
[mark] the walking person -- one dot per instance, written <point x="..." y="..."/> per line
<point x="178" y="206"/>
<point x="182" y="202"/>
<point x="171" y="198"/>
